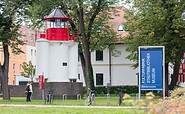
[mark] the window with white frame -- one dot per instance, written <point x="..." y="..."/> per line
<point x="99" y="78"/>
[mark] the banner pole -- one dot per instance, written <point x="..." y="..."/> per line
<point x="164" y="72"/>
<point x="139" y="97"/>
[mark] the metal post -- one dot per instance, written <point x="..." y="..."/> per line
<point x="139" y="92"/>
<point x="163" y="71"/>
<point x="43" y="94"/>
<point x="108" y="98"/>
<point x="64" y="97"/>
<point x="78" y="97"/>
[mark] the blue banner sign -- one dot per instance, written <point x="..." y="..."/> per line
<point x="151" y="68"/>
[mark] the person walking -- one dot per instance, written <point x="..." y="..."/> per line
<point x="29" y="91"/>
<point x="120" y="93"/>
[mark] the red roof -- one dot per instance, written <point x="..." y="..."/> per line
<point x="56" y="14"/>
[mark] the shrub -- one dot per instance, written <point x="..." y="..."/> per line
<point x="177" y="92"/>
<point x="175" y="104"/>
<point x="126" y="96"/>
<point x="114" y="90"/>
<point x="150" y="95"/>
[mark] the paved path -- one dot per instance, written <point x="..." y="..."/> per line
<point x="62" y="106"/>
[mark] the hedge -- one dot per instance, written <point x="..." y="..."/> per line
<point x="114" y="90"/>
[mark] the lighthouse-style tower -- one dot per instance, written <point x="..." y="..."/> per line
<point x="57" y="51"/>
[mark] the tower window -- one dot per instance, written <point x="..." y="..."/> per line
<point x="79" y="76"/>
<point x="64" y="64"/>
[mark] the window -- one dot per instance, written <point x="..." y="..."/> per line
<point x="79" y="76"/>
<point x="64" y="64"/>
<point x="31" y="52"/>
<point x="99" y="55"/>
<point x="20" y="67"/>
<point x="32" y="37"/>
<point x="35" y="52"/>
<point x="99" y="79"/>
<point x="72" y="80"/>
<point x="14" y="66"/>
<point x="57" y="23"/>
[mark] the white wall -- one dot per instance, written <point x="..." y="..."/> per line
<point x="31" y="56"/>
<point x="42" y="58"/>
<point x="19" y="78"/>
<point x="59" y="54"/>
<point x="121" y="71"/>
<point x="73" y="61"/>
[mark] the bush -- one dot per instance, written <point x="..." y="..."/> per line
<point x="168" y="106"/>
<point x="150" y="95"/>
<point x="175" y="104"/>
<point x="177" y="92"/>
<point x="126" y="96"/>
<point x="102" y="90"/>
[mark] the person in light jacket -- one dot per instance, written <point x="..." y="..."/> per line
<point x="29" y="91"/>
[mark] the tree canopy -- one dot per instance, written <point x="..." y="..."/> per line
<point x="157" y="23"/>
<point x="10" y="10"/>
<point x="28" y="70"/>
<point x="88" y="19"/>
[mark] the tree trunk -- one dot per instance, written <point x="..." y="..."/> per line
<point x="85" y="46"/>
<point x="92" y="78"/>
<point x="166" y="80"/>
<point x="4" y="72"/>
<point x="176" y="72"/>
<point x="87" y="79"/>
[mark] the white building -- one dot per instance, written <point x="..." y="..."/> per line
<point x="110" y="70"/>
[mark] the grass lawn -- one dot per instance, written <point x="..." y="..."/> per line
<point x="100" y="101"/>
<point x="34" y="110"/>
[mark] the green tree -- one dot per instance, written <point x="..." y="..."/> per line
<point x="28" y="70"/>
<point x="157" y="23"/>
<point x="89" y="19"/>
<point x="9" y="10"/>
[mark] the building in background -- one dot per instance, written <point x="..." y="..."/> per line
<point x="110" y="70"/>
<point x="29" y="36"/>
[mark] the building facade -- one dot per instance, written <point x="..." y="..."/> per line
<point x="111" y="70"/>
<point x="29" y="36"/>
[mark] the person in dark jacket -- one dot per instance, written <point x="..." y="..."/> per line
<point x="120" y="93"/>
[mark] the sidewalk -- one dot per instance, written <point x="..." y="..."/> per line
<point x="62" y="106"/>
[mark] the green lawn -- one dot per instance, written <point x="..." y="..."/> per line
<point x="100" y="101"/>
<point x="34" y="110"/>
